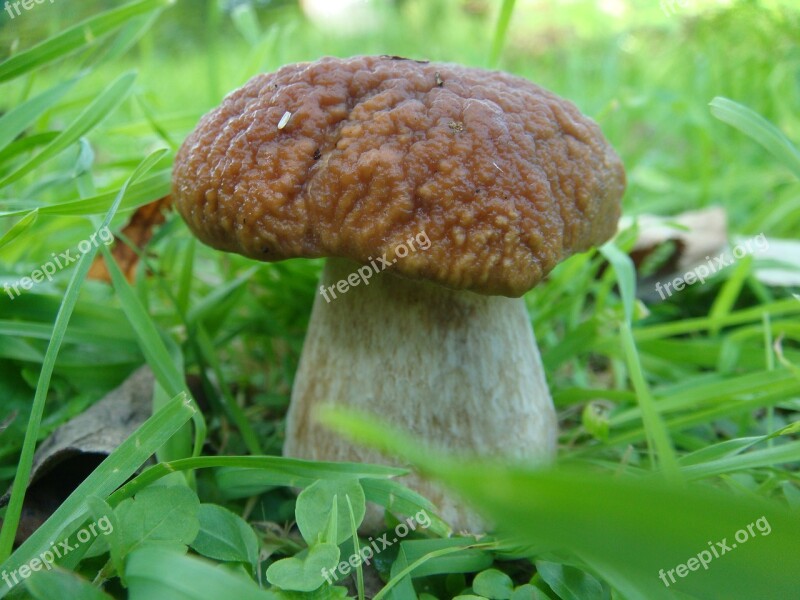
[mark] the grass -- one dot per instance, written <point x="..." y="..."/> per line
<point x="678" y="420"/>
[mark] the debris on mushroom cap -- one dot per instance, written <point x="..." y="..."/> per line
<point x="284" y="119"/>
<point x="373" y="158"/>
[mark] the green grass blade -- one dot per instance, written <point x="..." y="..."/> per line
<point x="658" y="438"/>
<point x="725" y="300"/>
<point x="243" y="476"/>
<point x="14" y="510"/>
<point x="151" y="344"/>
<point x="396" y="579"/>
<point x="626" y="276"/>
<point x="20" y="227"/>
<point x="746" y="315"/>
<point x="143" y="192"/>
<point x="657" y="433"/>
<point x="76" y="37"/>
<point x="356" y="549"/>
<point x="19" y="118"/>
<point x="759" y="129"/>
<point x="768" y="457"/>
<point x="89" y="118"/>
<point x="123" y="41"/>
<point x="500" y="31"/>
<point x="74" y="335"/>
<point x="205" y="307"/>
<point x="245" y="19"/>
<point x="158" y="357"/>
<point x="398" y="499"/>
<point x="205" y="349"/>
<point x="25" y="144"/>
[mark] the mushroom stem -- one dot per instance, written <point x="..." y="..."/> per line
<point x="457" y="369"/>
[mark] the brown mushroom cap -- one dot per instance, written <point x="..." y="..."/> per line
<point x="352" y="157"/>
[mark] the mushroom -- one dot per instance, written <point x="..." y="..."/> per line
<point x="439" y="195"/>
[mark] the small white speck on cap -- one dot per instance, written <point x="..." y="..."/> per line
<point x="284" y="119"/>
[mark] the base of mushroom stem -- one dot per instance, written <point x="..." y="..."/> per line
<point x="456" y="369"/>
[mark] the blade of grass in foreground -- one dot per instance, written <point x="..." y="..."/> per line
<point x="658" y="439"/>
<point x="629" y="529"/>
<point x="14" y="510"/>
<point x="759" y="129"/>
<point x="75" y="38"/>
<point x="112" y="473"/>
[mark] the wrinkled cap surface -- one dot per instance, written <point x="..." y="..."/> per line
<point x="354" y="157"/>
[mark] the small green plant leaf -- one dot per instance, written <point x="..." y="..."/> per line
<point x="159" y="514"/>
<point x="225" y="536"/>
<point x="305" y="573"/>
<point x="111" y="540"/>
<point x="331" y="530"/>
<point x="493" y="584"/>
<point x="594" y="419"/>
<point x="571" y="583"/>
<point x="163" y="573"/>
<point x="46" y="585"/>
<point x="528" y="592"/>
<point x="315" y="504"/>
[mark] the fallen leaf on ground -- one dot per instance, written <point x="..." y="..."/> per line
<point x="139" y="231"/>
<point x="76" y="448"/>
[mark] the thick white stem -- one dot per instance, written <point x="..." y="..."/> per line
<point x="457" y="369"/>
